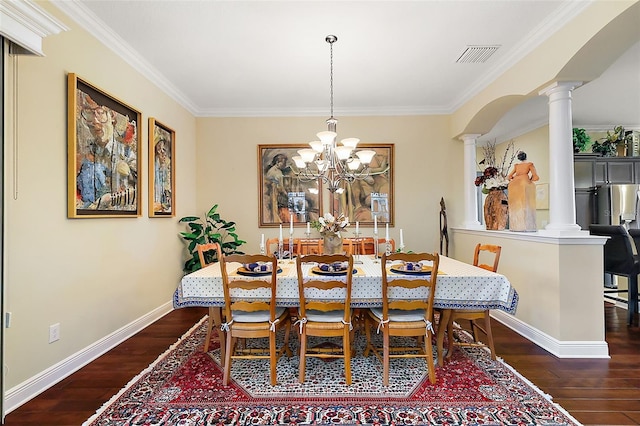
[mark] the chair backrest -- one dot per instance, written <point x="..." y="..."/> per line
<point x="308" y="245"/>
<point x="271" y="246"/>
<point x="618" y="254"/>
<point x="325" y="292"/>
<point x="423" y="286"/>
<point x="367" y="245"/>
<point x="209" y="253"/>
<point x="238" y="291"/>
<point x="635" y="236"/>
<point x="489" y="249"/>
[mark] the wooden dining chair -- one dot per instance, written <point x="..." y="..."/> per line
<point x="367" y="245"/>
<point x="271" y="246"/>
<point x="321" y="314"/>
<point x="485" y="256"/>
<point x="254" y="317"/>
<point x="308" y="245"/>
<point x="208" y="254"/>
<point x="404" y="317"/>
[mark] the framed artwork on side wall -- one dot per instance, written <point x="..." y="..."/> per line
<point x="162" y="189"/>
<point x="103" y="148"/>
<point x="372" y="196"/>
<point x="280" y="193"/>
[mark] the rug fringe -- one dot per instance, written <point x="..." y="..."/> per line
<point x="104" y="406"/>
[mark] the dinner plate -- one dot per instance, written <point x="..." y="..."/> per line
<point x="316" y="270"/>
<point x="244" y="271"/>
<point x="401" y="269"/>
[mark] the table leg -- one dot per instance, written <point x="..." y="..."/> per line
<point x="215" y="320"/>
<point x="445" y="314"/>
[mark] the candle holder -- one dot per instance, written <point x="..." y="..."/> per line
<point x="280" y="250"/>
<point x="291" y="246"/>
<point x="357" y="241"/>
<point x="375" y="246"/>
<point x="262" y="251"/>
<point x="401" y="249"/>
<point x="387" y="247"/>
<point x="307" y="234"/>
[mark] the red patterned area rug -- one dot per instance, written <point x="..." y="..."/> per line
<point x="184" y="387"/>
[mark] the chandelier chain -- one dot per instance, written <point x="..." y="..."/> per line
<point x="331" y="75"/>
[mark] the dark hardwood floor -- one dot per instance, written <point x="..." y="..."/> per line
<point x="603" y="392"/>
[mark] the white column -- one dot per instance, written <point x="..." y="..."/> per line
<point x="470" y="167"/>
<point x="562" y="203"/>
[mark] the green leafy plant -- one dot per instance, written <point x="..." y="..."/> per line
<point x="210" y="229"/>
<point x="608" y="145"/>
<point x="581" y="139"/>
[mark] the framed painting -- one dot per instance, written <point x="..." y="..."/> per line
<point x="364" y="199"/>
<point x="162" y="177"/>
<point x="281" y="194"/>
<point x="103" y="150"/>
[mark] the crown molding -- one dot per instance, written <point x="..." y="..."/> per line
<point x="26" y="24"/>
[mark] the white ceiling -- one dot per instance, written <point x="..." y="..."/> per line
<point x="270" y="58"/>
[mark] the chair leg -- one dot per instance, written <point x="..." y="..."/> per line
<point x="632" y="304"/>
<point x="227" y="361"/>
<point x="430" y="362"/>
<point x="303" y="353"/>
<point x="346" y="351"/>
<point x="385" y="363"/>
<point x="449" y="327"/>
<point x="367" y="331"/>
<point x="487" y="330"/>
<point x="273" y="359"/>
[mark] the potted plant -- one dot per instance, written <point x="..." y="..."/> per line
<point x="614" y="143"/>
<point x="581" y="139"/>
<point x="210" y="229"/>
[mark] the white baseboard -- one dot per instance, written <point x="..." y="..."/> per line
<point x="559" y="348"/>
<point x="37" y="384"/>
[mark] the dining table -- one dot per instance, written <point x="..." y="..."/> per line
<point x="459" y="285"/>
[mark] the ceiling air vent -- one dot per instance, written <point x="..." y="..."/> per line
<point x="477" y="54"/>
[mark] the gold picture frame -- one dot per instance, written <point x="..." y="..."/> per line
<point x="280" y="192"/>
<point x="162" y="169"/>
<point x="103" y="153"/>
<point x="363" y="199"/>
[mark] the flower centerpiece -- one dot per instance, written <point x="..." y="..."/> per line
<point x="330" y="227"/>
<point x="494" y="181"/>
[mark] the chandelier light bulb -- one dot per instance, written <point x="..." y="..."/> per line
<point x="350" y="142"/>
<point x="307" y="154"/>
<point x="317" y="146"/>
<point x="354" y="164"/>
<point x="299" y="163"/>
<point x="343" y="152"/>
<point x="366" y="155"/>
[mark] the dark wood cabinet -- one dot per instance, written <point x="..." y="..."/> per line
<point x="615" y="171"/>
<point x="590" y="171"/>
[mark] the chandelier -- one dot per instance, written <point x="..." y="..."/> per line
<point x="329" y="162"/>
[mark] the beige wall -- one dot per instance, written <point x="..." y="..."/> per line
<point x="93" y="276"/>
<point x="96" y="276"/>
<point x="426" y="168"/>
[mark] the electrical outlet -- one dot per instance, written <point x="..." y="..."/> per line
<point x="54" y="332"/>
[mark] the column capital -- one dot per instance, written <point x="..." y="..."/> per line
<point x="469" y="137"/>
<point x="560" y="86"/>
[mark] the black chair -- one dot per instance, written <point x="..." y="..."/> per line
<point x="635" y="235"/>
<point x="620" y="260"/>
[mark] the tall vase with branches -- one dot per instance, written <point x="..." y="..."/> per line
<point x="494" y="181"/>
